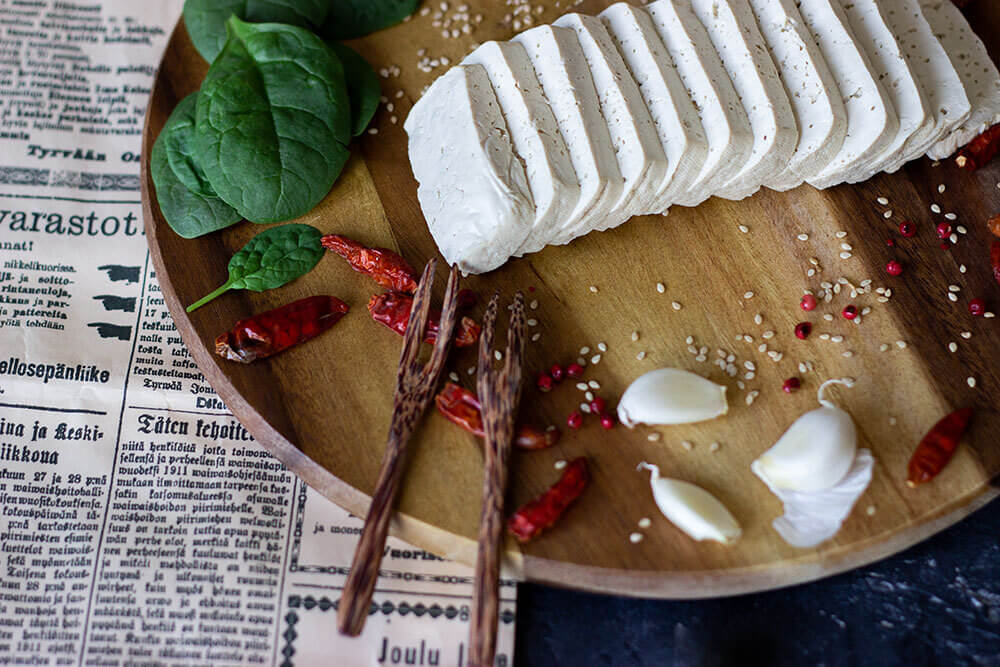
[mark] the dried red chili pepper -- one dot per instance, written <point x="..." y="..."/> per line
<point x="937" y="447"/>
<point x="980" y="150"/>
<point x="386" y="267"/>
<point x="393" y="310"/>
<point x="268" y="333"/>
<point x="460" y="406"/>
<point x="535" y="517"/>
<point x="993" y="224"/>
<point x="995" y="259"/>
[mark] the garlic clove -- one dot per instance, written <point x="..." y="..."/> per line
<point x="813" y="454"/>
<point x="671" y="396"/>
<point x="813" y="517"/>
<point x="692" y="509"/>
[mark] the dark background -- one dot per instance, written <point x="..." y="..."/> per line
<point x="937" y="603"/>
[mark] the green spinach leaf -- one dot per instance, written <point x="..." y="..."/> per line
<point x="273" y="121"/>
<point x="206" y="19"/>
<point x="363" y="86"/>
<point x="356" y="18"/>
<point x="273" y="258"/>
<point x="178" y="138"/>
<point x="188" y="213"/>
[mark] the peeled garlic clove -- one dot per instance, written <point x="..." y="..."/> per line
<point x="812" y="517"/>
<point x="692" y="509"/>
<point x="671" y="396"/>
<point x="813" y="454"/>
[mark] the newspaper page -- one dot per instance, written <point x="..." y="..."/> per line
<point x="139" y="521"/>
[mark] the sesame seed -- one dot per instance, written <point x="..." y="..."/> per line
<point x="687" y="445"/>
<point x="641" y="355"/>
<point x="676" y="305"/>
<point x="870" y="510"/>
<point x="661" y="288"/>
<point x="941" y="188"/>
<point x="534" y="304"/>
<point x="893" y="421"/>
<point x="989" y="314"/>
<point x="952" y="296"/>
<point x="752" y="396"/>
<point x="535" y="337"/>
<point x="635" y="538"/>
<point x="847" y="353"/>
<point x="887" y="214"/>
<point x="453" y="376"/>
<point x="689" y="340"/>
<point x="584" y="350"/>
<point x="745" y="229"/>
<point x="593" y="288"/>
<point x="803" y="237"/>
<point x="700" y="358"/>
<point x="635" y="336"/>
<point x="845" y="255"/>
<point x="749" y="375"/>
<point x="470" y="371"/>
<point x="953" y="347"/>
<point x="846" y="246"/>
<point x="953" y="237"/>
<point x="758" y="319"/>
<point x="560" y="464"/>
<point x="748" y="295"/>
<point x="828" y="317"/>
<point x="749" y="365"/>
<point x="935" y="208"/>
<point x="837" y="339"/>
<point x="883" y="201"/>
<point x="971" y="382"/>
<point x="498" y="355"/>
<point x="582" y="386"/>
<point x="966" y="335"/>
<point x="747" y="338"/>
<point x="824" y="336"/>
<point x="532" y="322"/>
<point x="594" y="384"/>
<point x="654" y="437"/>
<point x="841" y="234"/>
<point x="883" y="347"/>
<point x="373" y="130"/>
<point x="602" y="347"/>
<point x="589" y="395"/>
<point x="714" y="447"/>
<point x="961" y="229"/>
<point x="950" y="216"/>
<point x="644" y="522"/>
<point x="901" y="344"/>
<point x="596" y="359"/>
<point x="585" y="408"/>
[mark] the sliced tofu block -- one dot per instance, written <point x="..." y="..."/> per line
<point x="641" y="159"/>
<point x="942" y="86"/>
<point x="733" y="29"/>
<point x="674" y="115"/>
<point x="473" y="189"/>
<point x="534" y="135"/>
<point x="916" y="122"/>
<point x="979" y="75"/>
<point x="727" y="128"/>
<point x="568" y="86"/>
<point x="871" y="119"/>
<point x="812" y="91"/>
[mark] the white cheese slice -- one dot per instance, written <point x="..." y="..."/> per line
<point x="568" y="87"/>
<point x="946" y="98"/>
<point x="674" y="115"/>
<point x="812" y="91"/>
<point x="872" y="33"/>
<point x="727" y="128"/>
<point x="534" y="135"/>
<point x="979" y="75"/>
<point x="733" y="29"/>
<point x="473" y="189"/>
<point x="637" y="145"/>
<point x="871" y="119"/>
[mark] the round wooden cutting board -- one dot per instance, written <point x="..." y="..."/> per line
<point x="323" y="408"/>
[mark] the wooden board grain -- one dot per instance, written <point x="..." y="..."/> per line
<point x="323" y="409"/>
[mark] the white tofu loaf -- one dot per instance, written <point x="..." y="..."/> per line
<point x="473" y="190"/>
<point x="577" y="126"/>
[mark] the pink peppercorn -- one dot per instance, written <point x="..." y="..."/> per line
<point x="791" y="385"/>
<point x="808" y="302"/>
<point x="575" y="420"/>
<point x="943" y="230"/>
<point x="849" y="312"/>
<point x="890" y="243"/>
<point x="893" y="268"/>
<point x="556" y="372"/>
<point x="544" y="382"/>
<point x="597" y="405"/>
<point x="574" y="370"/>
<point x="977" y="307"/>
<point x="802" y="330"/>
<point x="907" y="229"/>
<point x="607" y="421"/>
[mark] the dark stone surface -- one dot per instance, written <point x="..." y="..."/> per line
<point x="937" y="603"/>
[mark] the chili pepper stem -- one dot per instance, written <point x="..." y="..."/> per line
<point x="208" y="297"/>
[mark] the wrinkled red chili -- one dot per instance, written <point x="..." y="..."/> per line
<point x="393" y="310"/>
<point x="386" y="267"/>
<point x="268" y="333"/>
<point x="460" y="406"/>
<point x="542" y="513"/>
<point x="937" y="447"/>
<point x="995" y="259"/>
<point x="980" y="150"/>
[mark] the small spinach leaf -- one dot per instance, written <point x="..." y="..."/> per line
<point x="206" y="19"/>
<point x="273" y="121"/>
<point x="273" y="258"/>
<point x="178" y="139"/>
<point x="188" y="213"/>
<point x="363" y="86"/>
<point x="356" y="18"/>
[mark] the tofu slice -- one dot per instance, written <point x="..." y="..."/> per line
<point x="812" y="91"/>
<point x="674" y="115"/>
<point x="641" y="159"/>
<point x="727" y="128"/>
<point x="473" y="189"/>
<point x="947" y="101"/>
<point x="979" y="75"/>
<point x="733" y="30"/>
<point x="534" y="135"/>
<point x="916" y="123"/>
<point x="871" y="118"/>
<point x="568" y="87"/>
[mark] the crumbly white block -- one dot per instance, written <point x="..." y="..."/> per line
<point x="727" y="128"/>
<point x="871" y="119"/>
<point x="977" y="70"/>
<point x="946" y="98"/>
<point x="458" y="136"/>
<point x="812" y="91"/>
<point x="674" y="115"/>
<point x="641" y="159"/>
<point x="534" y="135"/>
<point x="737" y="39"/>
<point x="872" y="33"/>
<point x="568" y="87"/>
